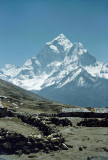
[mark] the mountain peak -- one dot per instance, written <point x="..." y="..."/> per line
<point x="61" y="36"/>
<point x="63" y="71"/>
<point x="60" y="42"/>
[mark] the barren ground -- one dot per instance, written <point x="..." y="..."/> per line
<point x="84" y="142"/>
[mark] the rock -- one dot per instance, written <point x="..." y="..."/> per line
<point x="30" y="136"/>
<point x="54" y="140"/>
<point x="21" y="143"/>
<point x="31" y="156"/>
<point x="49" y="137"/>
<point x="93" y="122"/>
<point x="29" y="143"/>
<point x="2" y="138"/>
<point x="10" y="136"/>
<point x="56" y="147"/>
<point x="3" y="112"/>
<point x="35" y="150"/>
<point x="64" y="146"/>
<point x="39" y="136"/>
<point x="34" y="136"/>
<point x="63" y="122"/>
<point x="69" y="146"/>
<point x="80" y="149"/>
<point x="18" y="152"/>
<point x="105" y="149"/>
<point x="7" y="145"/>
<point x="26" y="150"/>
<point x="46" y="149"/>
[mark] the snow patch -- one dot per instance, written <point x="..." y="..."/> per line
<point x="54" y="48"/>
<point x="81" y="82"/>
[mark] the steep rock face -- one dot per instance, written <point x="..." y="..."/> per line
<point x="65" y="72"/>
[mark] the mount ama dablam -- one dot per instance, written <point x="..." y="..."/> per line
<point x="64" y="72"/>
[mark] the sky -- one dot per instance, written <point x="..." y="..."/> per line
<point x="26" y="25"/>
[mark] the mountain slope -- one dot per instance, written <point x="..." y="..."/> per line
<point x="8" y="89"/>
<point x="80" y="92"/>
<point x="26" y="101"/>
<point x="63" y="71"/>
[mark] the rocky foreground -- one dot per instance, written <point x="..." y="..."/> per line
<point x="53" y="136"/>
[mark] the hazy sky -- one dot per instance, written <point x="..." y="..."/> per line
<point x="26" y="25"/>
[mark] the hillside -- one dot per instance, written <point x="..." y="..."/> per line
<point x="23" y="100"/>
<point x="11" y="90"/>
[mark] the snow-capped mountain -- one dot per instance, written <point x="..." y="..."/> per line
<point x="11" y="70"/>
<point x="65" y="72"/>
